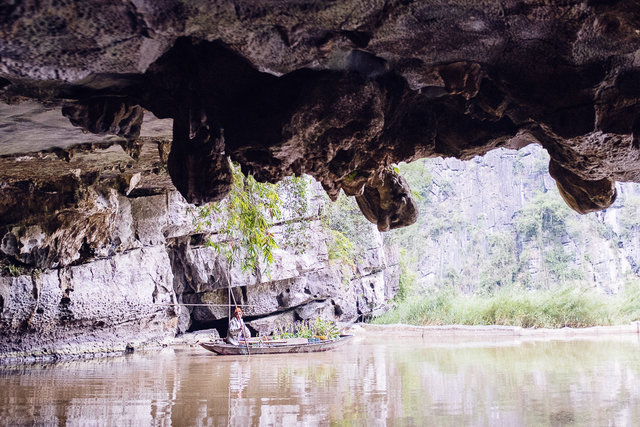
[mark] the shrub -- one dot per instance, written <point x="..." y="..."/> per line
<point x="319" y="328"/>
<point x="515" y="306"/>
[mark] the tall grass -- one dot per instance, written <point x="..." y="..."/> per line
<point x="514" y="306"/>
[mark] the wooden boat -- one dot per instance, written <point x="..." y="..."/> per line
<point x="293" y="345"/>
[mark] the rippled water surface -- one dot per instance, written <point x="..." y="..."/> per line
<point x="369" y="381"/>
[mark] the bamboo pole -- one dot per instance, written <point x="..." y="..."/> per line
<point x="204" y="305"/>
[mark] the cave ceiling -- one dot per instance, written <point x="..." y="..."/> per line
<point x="339" y="90"/>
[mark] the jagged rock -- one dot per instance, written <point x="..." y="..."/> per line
<point x="67" y="235"/>
<point x="392" y="272"/>
<point x="337" y="90"/>
<point x="386" y="201"/>
<point x="149" y="216"/>
<point x="268" y="325"/>
<point x="105" y="303"/>
<point x="197" y="337"/>
<point x="341" y="87"/>
<point x="207" y="176"/>
<point x="370" y="292"/>
<point x="107" y="115"/>
<point x="317" y="309"/>
<point x="581" y="195"/>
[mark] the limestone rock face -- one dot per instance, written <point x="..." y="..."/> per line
<point x="340" y="90"/>
<point x="302" y="284"/>
<point x="111" y="264"/>
<point x="96" y="307"/>
<point x="473" y="232"/>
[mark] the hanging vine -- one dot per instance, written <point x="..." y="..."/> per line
<point x="245" y="218"/>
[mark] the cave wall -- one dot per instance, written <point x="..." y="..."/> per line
<point x="98" y="307"/>
<point x="302" y="283"/>
<point x="94" y="269"/>
<point x="341" y="90"/>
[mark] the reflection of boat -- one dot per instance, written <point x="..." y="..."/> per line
<point x="292" y="345"/>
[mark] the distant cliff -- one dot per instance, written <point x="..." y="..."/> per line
<point x="499" y="219"/>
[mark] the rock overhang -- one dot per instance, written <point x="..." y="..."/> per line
<point x="342" y="90"/>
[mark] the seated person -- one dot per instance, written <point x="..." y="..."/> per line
<point x="238" y="331"/>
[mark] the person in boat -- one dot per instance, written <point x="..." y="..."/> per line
<point x="238" y="331"/>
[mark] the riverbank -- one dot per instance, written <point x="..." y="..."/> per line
<point x="445" y="334"/>
<point x="89" y="348"/>
<point x="569" y="306"/>
<point x="493" y="331"/>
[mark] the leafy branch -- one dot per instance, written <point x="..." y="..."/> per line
<point x="245" y="218"/>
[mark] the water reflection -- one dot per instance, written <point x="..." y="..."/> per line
<point x="370" y="381"/>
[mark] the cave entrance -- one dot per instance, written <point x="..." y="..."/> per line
<point x="220" y="325"/>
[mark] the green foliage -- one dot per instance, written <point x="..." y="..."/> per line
<point x="541" y="165"/>
<point x="248" y="212"/>
<point x="451" y="278"/>
<point x="420" y="310"/>
<point x="325" y="328"/>
<point x="629" y="301"/>
<point x="296" y="189"/>
<point x="629" y="217"/>
<point x="319" y="328"/>
<point x="603" y="229"/>
<point x="15" y="270"/>
<point x="351" y="176"/>
<point x="501" y="265"/>
<point x="349" y="231"/>
<point x="419" y="179"/>
<point x="528" y="226"/>
<point x="558" y="262"/>
<point x="581" y="228"/>
<point x="341" y="248"/>
<point x="295" y="193"/>
<point x="556" y="308"/>
<point x="10" y="268"/>
<point x="546" y="220"/>
<point x="545" y="216"/>
<point x="408" y="276"/>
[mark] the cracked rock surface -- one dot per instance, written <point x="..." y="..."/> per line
<point x="341" y="90"/>
<point x="99" y="253"/>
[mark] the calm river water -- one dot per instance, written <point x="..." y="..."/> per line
<point x="368" y="381"/>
